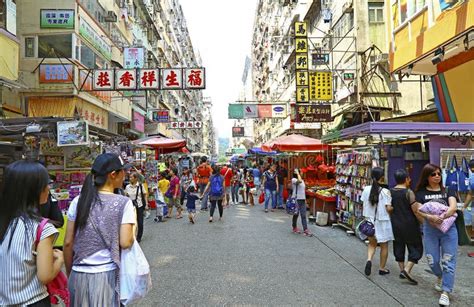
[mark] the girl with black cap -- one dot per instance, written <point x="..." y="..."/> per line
<point x="100" y="223"/>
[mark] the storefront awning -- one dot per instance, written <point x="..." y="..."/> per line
<point x="406" y="129"/>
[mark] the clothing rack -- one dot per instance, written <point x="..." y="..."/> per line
<point x="447" y="154"/>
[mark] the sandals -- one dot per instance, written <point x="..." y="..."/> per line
<point x="408" y="277"/>
<point x="368" y="268"/>
<point x="384" y="272"/>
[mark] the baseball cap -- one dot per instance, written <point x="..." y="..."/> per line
<point x="107" y="163"/>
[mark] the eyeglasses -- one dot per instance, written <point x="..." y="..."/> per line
<point x="435" y="174"/>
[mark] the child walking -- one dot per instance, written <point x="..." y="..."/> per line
<point x="191" y="198"/>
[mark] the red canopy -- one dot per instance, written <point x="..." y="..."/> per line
<point x="294" y="142"/>
<point x="161" y="144"/>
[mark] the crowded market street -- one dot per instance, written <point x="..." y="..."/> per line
<point x="252" y="258"/>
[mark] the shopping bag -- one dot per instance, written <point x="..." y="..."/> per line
<point x="285" y="194"/>
<point x="463" y="176"/>
<point x="261" y="198"/>
<point x="453" y="175"/>
<point x="463" y="237"/>
<point x="135" y="279"/>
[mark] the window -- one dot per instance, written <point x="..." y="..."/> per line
<point x="8" y="15"/>
<point x="376" y="12"/>
<point x="51" y="46"/>
<point x="343" y="25"/>
<point x="408" y="8"/>
<point x="29" y="47"/>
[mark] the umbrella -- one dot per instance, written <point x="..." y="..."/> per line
<point x="260" y="151"/>
<point x="161" y="144"/>
<point x="294" y="142"/>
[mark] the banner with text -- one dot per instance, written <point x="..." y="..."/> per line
<point x="312" y="113"/>
<point x="249" y="111"/>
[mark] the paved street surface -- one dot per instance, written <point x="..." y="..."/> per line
<point x="253" y="258"/>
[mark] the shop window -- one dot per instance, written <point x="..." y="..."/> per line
<point x="376" y="12"/>
<point x="52" y="46"/>
<point x="29" y="47"/>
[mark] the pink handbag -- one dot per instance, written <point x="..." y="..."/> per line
<point x="57" y="288"/>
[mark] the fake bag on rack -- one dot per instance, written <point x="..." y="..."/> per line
<point x="135" y="279"/>
<point x="463" y="176"/>
<point x="452" y="175"/>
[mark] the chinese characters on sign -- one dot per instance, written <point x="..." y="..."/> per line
<point x="301" y="50"/>
<point x="56" y="73"/>
<point x="238" y="132"/>
<point x="172" y="79"/>
<point x="309" y="113"/>
<point x="103" y="79"/>
<point x="59" y="19"/>
<point x="149" y="79"/>
<point x="94" y="38"/>
<point x="194" y="78"/>
<point x="160" y="116"/>
<point x="186" y="125"/>
<point x="320" y="85"/>
<point x="125" y="79"/>
<point x="133" y="57"/>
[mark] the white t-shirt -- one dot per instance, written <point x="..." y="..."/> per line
<point x="385" y="198"/>
<point x="299" y="191"/>
<point x="131" y="191"/>
<point x="101" y="261"/>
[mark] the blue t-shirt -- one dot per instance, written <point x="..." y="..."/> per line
<point x="191" y="203"/>
<point x="471" y="181"/>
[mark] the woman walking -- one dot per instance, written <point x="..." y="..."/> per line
<point x="173" y="194"/>
<point x="139" y="196"/>
<point x="406" y="228"/>
<point x="216" y="188"/>
<point x="235" y="187"/>
<point x="100" y="223"/>
<point x="441" y="248"/>
<point x="299" y="193"/>
<point x="377" y="202"/>
<point x="26" y="269"/>
<point x="270" y="184"/>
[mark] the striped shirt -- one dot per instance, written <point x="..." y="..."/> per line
<point x="19" y="283"/>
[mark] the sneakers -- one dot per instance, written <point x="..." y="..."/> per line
<point x="444" y="300"/>
<point x="147" y="214"/>
<point x="296" y="230"/>
<point x="307" y="233"/>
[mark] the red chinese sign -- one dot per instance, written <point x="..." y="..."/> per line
<point x="172" y="79"/>
<point x="125" y="79"/>
<point x="103" y="79"/>
<point x="149" y="79"/>
<point x="186" y="125"/>
<point x="194" y="78"/>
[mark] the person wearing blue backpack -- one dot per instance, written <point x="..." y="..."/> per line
<point x="216" y="190"/>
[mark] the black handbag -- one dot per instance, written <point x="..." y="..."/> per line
<point x="463" y="237"/>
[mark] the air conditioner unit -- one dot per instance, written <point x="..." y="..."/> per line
<point x="381" y="58"/>
<point x="110" y="17"/>
<point x="347" y="7"/>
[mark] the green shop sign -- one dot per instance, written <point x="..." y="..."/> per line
<point x="57" y="19"/>
<point x="92" y="37"/>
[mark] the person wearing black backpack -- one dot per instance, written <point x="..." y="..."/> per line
<point x="216" y="188"/>
<point x="138" y="195"/>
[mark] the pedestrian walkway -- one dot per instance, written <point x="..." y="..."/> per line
<point x="253" y="258"/>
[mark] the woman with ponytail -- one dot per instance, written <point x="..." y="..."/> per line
<point x="100" y="223"/>
<point x="377" y="205"/>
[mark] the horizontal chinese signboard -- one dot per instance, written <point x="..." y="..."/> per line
<point x="310" y="113"/>
<point x="56" y="73"/>
<point x="95" y="39"/>
<point x="186" y="125"/>
<point x="238" y="132"/>
<point x="160" y="116"/>
<point x="59" y="19"/>
<point x="148" y="79"/>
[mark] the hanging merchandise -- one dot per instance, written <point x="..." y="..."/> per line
<point x="452" y="175"/>
<point x="463" y="176"/>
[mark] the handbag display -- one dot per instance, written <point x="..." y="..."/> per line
<point x="452" y="177"/>
<point x="135" y="278"/>
<point x="463" y="176"/>
<point x="57" y="288"/>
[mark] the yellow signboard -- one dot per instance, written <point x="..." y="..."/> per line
<point x="320" y="85"/>
<point x="302" y="78"/>
<point x="301" y="61"/>
<point x="301" y="45"/>
<point x="302" y="94"/>
<point x="301" y="29"/>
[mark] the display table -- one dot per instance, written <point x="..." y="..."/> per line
<point x="321" y="203"/>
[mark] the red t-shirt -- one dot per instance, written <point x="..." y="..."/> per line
<point x="227" y="176"/>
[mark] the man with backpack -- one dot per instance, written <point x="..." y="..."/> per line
<point x="204" y="171"/>
<point x="216" y="188"/>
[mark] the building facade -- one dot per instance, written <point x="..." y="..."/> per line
<point x="346" y="38"/>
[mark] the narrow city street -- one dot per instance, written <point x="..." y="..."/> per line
<point x="252" y="258"/>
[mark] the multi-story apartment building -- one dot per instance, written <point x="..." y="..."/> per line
<point x="50" y="47"/>
<point x="435" y="39"/>
<point x="351" y="40"/>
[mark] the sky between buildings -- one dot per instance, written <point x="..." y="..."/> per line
<point x="221" y="30"/>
